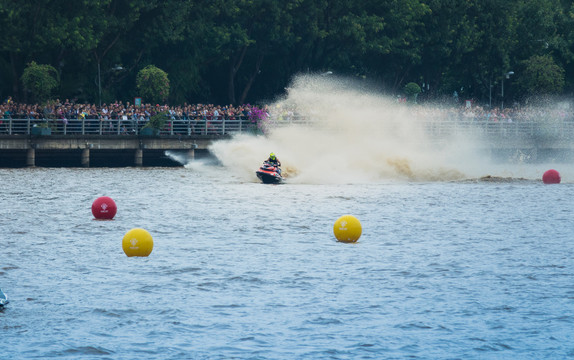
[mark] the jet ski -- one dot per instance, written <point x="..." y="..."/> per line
<point x="3" y="299"/>
<point x="269" y="173"/>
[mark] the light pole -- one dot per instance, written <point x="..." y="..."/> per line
<point x="507" y="75"/>
<point x="489" y="94"/>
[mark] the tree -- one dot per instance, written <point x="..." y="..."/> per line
<point x="398" y="44"/>
<point x="248" y="50"/>
<point x="40" y="80"/>
<point x="246" y="34"/>
<point x="541" y="76"/>
<point x="412" y="90"/>
<point x="449" y="33"/>
<point x="153" y="84"/>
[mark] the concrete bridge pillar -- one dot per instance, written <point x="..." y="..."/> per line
<point x="138" y="158"/>
<point x="191" y="155"/>
<point x="86" y="157"/>
<point x="31" y="157"/>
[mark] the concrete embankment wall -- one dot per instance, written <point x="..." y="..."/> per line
<point x="98" y="158"/>
<point x="67" y="151"/>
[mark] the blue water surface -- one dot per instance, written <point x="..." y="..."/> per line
<point x="241" y="270"/>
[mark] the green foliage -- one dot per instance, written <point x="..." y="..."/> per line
<point x="541" y="76"/>
<point x="236" y="51"/>
<point x="412" y="90"/>
<point x="40" y="80"/>
<point x="153" y="84"/>
<point x="157" y="121"/>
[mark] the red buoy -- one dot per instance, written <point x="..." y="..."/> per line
<point x="104" y="208"/>
<point x="551" y="177"/>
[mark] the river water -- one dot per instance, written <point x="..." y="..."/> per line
<point x="478" y="268"/>
<point x="461" y="256"/>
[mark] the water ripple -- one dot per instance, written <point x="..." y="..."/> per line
<point x="462" y="270"/>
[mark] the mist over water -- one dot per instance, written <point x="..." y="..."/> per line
<point x="359" y="136"/>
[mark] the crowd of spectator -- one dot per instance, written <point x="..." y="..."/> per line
<point x="125" y="118"/>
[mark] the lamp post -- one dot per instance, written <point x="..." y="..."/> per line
<point x="489" y="94"/>
<point x="507" y="75"/>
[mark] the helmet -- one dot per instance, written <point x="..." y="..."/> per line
<point x="272" y="156"/>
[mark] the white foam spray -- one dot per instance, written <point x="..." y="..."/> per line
<point x="356" y="136"/>
<point x="177" y="156"/>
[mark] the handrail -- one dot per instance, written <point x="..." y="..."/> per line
<point x="129" y="127"/>
<point x="438" y="128"/>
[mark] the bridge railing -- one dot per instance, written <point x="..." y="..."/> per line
<point x="95" y="126"/>
<point x="551" y="128"/>
<point x="434" y="127"/>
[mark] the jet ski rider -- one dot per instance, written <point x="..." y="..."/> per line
<point x="274" y="161"/>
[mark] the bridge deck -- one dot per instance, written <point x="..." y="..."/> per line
<point x="25" y="142"/>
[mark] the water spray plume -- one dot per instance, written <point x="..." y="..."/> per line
<point x="352" y="135"/>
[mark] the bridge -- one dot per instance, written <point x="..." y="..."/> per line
<point x="95" y="142"/>
<point x="524" y="140"/>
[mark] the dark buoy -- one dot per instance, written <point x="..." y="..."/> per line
<point x="104" y="208"/>
<point x="551" y="177"/>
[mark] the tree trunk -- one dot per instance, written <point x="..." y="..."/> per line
<point x="256" y="72"/>
<point x="15" y="80"/>
<point x="231" y="84"/>
<point x="236" y="62"/>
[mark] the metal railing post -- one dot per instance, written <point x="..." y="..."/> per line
<point x="434" y="127"/>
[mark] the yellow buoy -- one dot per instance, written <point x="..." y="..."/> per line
<point x="137" y="242"/>
<point x="347" y="229"/>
